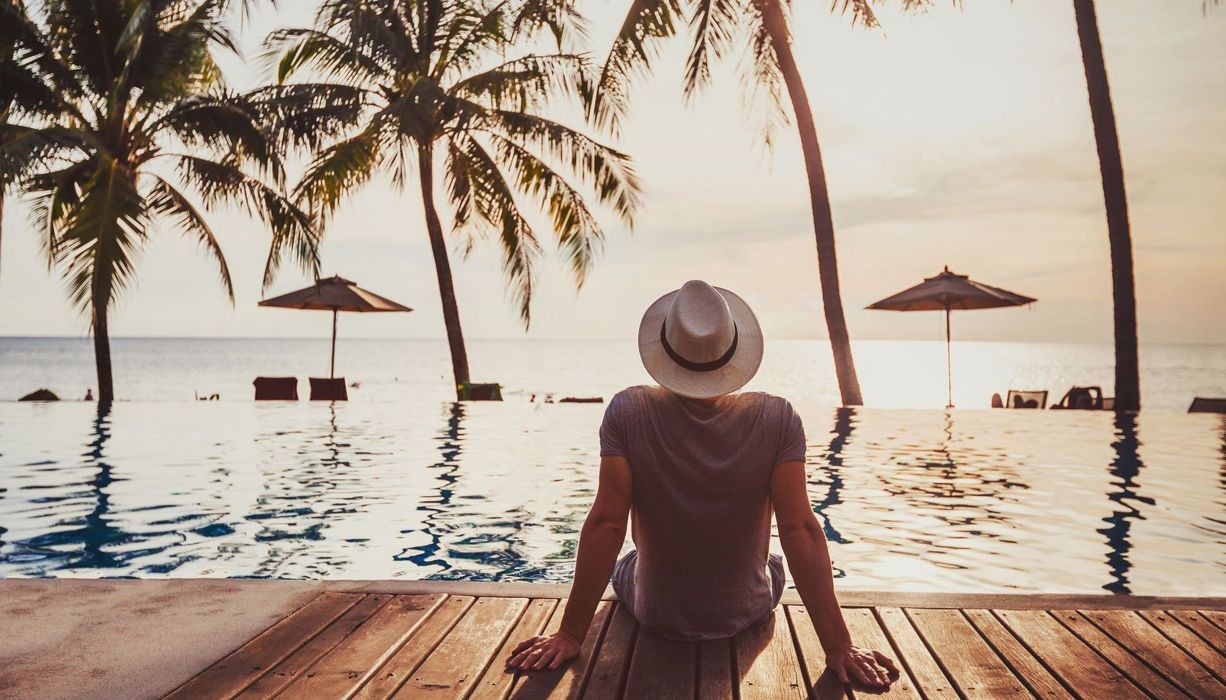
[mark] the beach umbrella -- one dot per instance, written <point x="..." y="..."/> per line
<point x="335" y="294"/>
<point x="949" y="292"/>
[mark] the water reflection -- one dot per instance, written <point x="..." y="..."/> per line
<point x="909" y="500"/>
<point x="437" y="504"/>
<point x="844" y="425"/>
<point x="1124" y="469"/>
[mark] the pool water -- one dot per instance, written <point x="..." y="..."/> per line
<point x="918" y="500"/>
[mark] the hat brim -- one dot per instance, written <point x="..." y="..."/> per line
<point x="701" y="385"/>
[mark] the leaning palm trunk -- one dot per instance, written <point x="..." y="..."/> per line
<point x="102" y="353"/>
<point x="1127" y="374"/>
<point x="819" y="199"/>
<point x="442" y="269"/>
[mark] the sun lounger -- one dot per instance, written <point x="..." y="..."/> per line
<point x="324" y="389"/>
<point x="1200" y="404"/>
<point x="480" y="392"/>
<point x="276" y="388"/>
<point x="1026" y="399"/>
<point x="1083" y="398"/>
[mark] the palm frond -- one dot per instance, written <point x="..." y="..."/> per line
<point x="338" y="170"/>
<point x="167" y="201"/>
<point x="528" y="82"/>
<point x="609" y="171"/>
<point x="493" y="201"/>
<point x="714" y="23"/>
<point x="647" y="23"/>
<point x="101" y="235"/>
<point x="293" y="230"/>
<point x="579" y="234"/>
<point x="763" y="81"/>
<point x="308" y="114"/>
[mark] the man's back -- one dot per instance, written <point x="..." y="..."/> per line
<point x="701" y="503"/>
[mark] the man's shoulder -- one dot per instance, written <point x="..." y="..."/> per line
<point x="766" y="400"/>
<point x="637" y="395"/>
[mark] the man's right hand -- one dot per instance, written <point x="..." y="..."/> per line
<point x="539" y="653"/>
<point x="872" y="668"/>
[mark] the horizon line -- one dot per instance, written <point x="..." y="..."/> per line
<point x="589" y="339"/>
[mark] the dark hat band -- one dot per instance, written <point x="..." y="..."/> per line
<point x="701" y="366"/>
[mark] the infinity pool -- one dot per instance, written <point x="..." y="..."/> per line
<point x="986" y="501"/>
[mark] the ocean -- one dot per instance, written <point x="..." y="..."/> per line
<point x="893" y="374"/>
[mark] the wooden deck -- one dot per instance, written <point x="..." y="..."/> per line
<point x="451" y="643"/>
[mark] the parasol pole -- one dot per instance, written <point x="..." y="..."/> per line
<point x="332" y="362"/>
<point x="949" y="372"/>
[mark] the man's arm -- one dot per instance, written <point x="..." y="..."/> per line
<point x="804" y="544"/>
<point x="601" y="539"/>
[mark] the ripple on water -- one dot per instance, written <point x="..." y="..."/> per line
<point x="919" y="500"/>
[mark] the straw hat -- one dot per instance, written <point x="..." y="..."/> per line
<point x="700" y="341"/>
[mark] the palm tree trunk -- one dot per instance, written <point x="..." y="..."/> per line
<point x="819" y="198"/>
<point x="102" y="350"/>
<point x="1111" y="166"/>
<point x="442" y="269"/>
<point x="1" y="226"/>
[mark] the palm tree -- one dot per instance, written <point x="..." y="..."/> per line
<point x="433" y="83"/>
<point x="717" y="27"/>
<point x="1119" y="234"/>
<point x="136" y="119"/>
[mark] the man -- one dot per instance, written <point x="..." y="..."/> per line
<point x="702" y="468"/>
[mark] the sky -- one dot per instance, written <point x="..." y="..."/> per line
<point x="957" y="137"/>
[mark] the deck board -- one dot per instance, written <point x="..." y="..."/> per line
<point x="295" y="665"/>
<point x="440" y="642"/>
<point x="974" y="667"/>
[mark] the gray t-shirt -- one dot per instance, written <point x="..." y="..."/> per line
<point x="701" y="509"/>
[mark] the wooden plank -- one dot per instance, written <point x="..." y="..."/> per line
<point x="1034" y="674"/>
<point x="975" y="668"/>
<point x="661" y="668"/>
<point x="1118" y="655"/>
<point x="608" y="669"/>
<point x="1209" y="657"/>
<point x="400" y="666"/>
<point x="347" y="666"/>
<point x="766" y="661"/>
<point x="496" y="682"/>
<point x="852" y="598"/>
<point x="451" y="670"/>
<point x="715" y="670"/>
<point x="241" y="667"/>
<point x="1067" y="656"/>
<point x="568" y="681"/>
<point x="1213" y="635"/>
<point x="1217" y="617"/>
<point x="293" y="666"/>
<point x="821" y="685"/>
<point x="1146" y="642"/>
<point x="924" y="670"/>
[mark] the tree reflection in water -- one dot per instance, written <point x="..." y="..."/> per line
<point x="1124" y="469"/>
<point x="97" y="531"/>
<point x="447" y="472"/>
<point x="844" y="425"/>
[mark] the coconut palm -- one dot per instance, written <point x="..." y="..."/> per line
<point x="1119" y="233"/>
<point x="436" y="84"/>
<point x="136" y="126"/>
<point x="716" y="28"/>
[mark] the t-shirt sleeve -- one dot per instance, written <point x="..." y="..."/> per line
<point x="612" y="436"/>
<point x="792" y="437"/>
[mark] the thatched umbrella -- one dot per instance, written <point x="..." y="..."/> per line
<point x="947" y="292"/>
<point x="335" y="294"/>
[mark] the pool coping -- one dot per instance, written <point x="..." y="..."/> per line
<point x="144" y="637"/>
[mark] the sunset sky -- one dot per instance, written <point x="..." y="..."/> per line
<point x="956" y="137"/>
